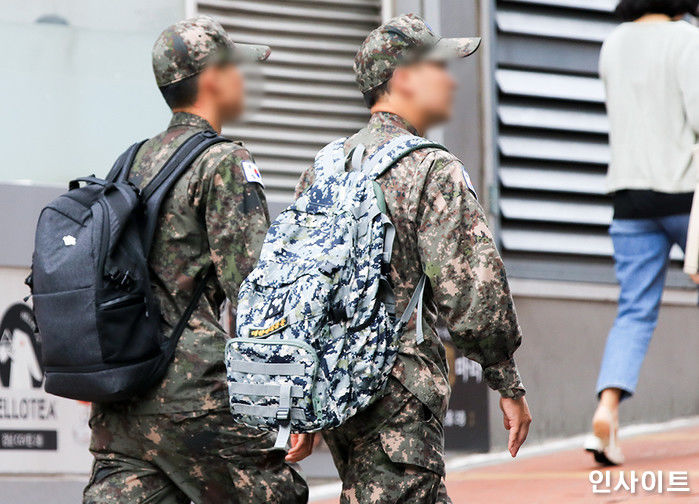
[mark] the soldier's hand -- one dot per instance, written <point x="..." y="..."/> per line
<point x="517" y="418"/>
<point x="301" y="447"/>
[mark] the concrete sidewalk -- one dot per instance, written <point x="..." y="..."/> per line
<point x="563" y="477"/>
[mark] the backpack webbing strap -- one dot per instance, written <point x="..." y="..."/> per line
<point x="284" y="413"/>
<point x="415" y="302"/>
<point x="376" y="165"/>
<point x="265" y="411"/>
<point x="284" y="416"/>
<point x="123" y="162"/>
<point x="393" y="151"/>
<point x="267" y="368"/>
<point x="184" y="319"/>
<point x="357" y="155"/>
<point x="156" y="190"/>
<point x="183" y="154"/>
<point x="261" y="389"/>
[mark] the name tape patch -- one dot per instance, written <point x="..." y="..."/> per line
<point x="277" y="326"/>
<point x="252" y="173"/>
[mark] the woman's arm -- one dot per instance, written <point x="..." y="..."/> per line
<point x="691" y="264"/>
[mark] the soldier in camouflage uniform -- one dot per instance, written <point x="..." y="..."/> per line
<point x="393" y="451"/>
<point x="178" y="442"/>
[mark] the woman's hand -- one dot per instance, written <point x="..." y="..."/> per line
<point x="695" y="278"/>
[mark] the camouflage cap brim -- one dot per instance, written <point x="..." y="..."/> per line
<point x="452" y="48"/>
<point x="250" y="52"/>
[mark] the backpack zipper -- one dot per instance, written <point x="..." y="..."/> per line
<point x="104" y="241"/>
<point x="122" y="301"/>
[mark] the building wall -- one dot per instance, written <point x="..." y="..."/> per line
<point x="80" y="93"/>
<point x="567" y="301"/>
<point x="104" y="15"/>
<point x="76" y="92"/>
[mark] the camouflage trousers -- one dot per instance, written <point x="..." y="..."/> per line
<point x="392" y="452"/>
<point x="202" y="457"/>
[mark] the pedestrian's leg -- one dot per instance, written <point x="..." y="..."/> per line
<point x="119" y="473"/>
<point x="641" y="250"/>
<point x="641" y="255"/>
<point x="117" y="479"/>
<point x="213" y="460"/>
<point x="392" y="452"/>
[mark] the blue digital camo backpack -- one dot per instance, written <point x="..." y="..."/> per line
<point x="317" y="333"/>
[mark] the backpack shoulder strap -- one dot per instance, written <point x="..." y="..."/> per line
<point x="156" y="190"/>
<point x="171" y="342"/>
<point x="393" y="151"/>
<point x="331" y="158"/>
<point x="376" y="165"/>
<point x="415" y="302"/>
<point x="122" y="165"/>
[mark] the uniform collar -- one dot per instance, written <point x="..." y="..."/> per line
<point x="384" y="119"/>
<point x="191" y="120"/>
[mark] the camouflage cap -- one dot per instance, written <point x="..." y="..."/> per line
<point x="403" y="40"/>
<point x="187" y="47"/>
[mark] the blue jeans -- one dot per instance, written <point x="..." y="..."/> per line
<point x="641" y="256"/>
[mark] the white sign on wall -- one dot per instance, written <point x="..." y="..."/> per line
<point x="39" y="433"/>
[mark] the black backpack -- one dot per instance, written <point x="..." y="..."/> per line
<point x="99" y="322"/>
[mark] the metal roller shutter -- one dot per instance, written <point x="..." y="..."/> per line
<point x="310" y="96"/>
<point x="552" y="138"/>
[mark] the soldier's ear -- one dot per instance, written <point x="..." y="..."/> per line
<point x="401" y="81"/>
<point x="207" y="81"/>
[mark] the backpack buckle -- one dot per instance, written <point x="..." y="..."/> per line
<point x="283" y="414"/>
<point x="135" y="188"/>
<point x="327" y="268"/>
<point x="122" y="279"/>
<point x="338" y="312"/>
<point x="126" y="281"/>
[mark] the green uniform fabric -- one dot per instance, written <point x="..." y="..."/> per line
<point x="201" y="457"/>
<point x="212" y="214"/>
<point x="178" y="441"/>
<point x="441" y="230"/>
<point x="391" y="452"/>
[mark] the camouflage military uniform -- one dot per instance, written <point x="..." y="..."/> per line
<point x="178" y="443"/>
<point x="393" y="451"/>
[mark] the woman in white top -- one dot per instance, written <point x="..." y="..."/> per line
<point x="650" y="69"/>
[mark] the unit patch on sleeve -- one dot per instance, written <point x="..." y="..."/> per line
<point x="469" y="184"/>
<point x="252" y="173"/>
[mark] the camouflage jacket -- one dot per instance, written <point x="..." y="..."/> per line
<point x="442" y="230"/>
<point x="211" y="214"/>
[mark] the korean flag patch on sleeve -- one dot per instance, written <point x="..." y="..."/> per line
<point x="469" y="184"/>
<point x="252" y="173"/>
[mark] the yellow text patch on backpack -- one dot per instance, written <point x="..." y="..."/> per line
<point x="277" y="326"/>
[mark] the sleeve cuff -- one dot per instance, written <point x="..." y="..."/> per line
<point x="504" y="377"/>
